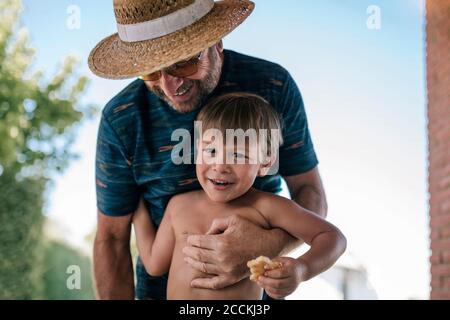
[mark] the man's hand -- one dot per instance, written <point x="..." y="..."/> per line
<point x="226" y="248"/>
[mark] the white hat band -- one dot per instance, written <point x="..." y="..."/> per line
<point x="165" y="25"/>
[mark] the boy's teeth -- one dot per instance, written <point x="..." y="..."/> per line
<point x="222" y="183"/>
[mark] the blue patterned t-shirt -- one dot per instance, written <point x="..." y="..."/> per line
<point x="134" y="143"/>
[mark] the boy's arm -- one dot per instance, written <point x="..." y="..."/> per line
<point x="164" y="245"/>
<point x="145" y="233"/>
<point x="155" y="248"/>
<point x="326" y="241"/>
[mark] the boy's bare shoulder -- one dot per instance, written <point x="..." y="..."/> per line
<point x="263" y="196"/>
<point x="182" y="201"/>
<point x="267" y="202"/>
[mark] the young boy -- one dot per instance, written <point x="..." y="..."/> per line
<point x="226" y="172"/>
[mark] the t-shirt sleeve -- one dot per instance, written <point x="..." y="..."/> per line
<point x="297" y="153"/>
<point x="117" y="191"/>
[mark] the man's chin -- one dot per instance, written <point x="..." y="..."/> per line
<point x="188" y="105"/>
<point x="183" y="107"/>
<point x="185" y="104"/>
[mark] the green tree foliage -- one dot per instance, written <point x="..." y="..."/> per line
<point x="20" y="237"/>
<point x="37" y="126"/>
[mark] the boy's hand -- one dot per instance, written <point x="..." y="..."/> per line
<point x="281" y="282"/>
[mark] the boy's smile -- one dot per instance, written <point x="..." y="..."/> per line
<point x="220" y="184"/>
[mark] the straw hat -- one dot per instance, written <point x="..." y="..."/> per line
<point x="154" y="34"/>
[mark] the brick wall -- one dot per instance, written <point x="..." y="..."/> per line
<point x="438" y="83"/>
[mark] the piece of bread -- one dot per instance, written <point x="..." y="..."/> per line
<point x="261" y="264"/>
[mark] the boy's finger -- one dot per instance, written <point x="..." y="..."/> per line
<point x="272" y="283"/>
<point x="276" y="273"/>
<point x="275" y="294"/>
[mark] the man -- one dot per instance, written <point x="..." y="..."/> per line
<point x="178" y="53"/>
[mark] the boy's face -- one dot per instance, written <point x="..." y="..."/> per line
<point x="227" y="173"/>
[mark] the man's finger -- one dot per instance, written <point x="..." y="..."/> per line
<point x="202" y="266"/>
<point x="203" y="241"/>
<point x="219" y="225"/>
<point x="199" y="254"/>
<point x="213" y="283"/>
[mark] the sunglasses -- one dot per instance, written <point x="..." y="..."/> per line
<point x="180" y="69"/>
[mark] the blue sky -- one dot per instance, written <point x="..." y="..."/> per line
<point x="364" y="92"/>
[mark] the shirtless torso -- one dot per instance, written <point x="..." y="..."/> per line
<point x="193" y="213"/>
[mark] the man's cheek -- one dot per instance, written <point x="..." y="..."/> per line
<point x="150" y="84"/>
<point x="158" y="91"/>
<point x="203" y="71"/>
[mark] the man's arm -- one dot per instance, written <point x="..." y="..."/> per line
<point x="306" y="190"/>
<point x="113" y="268"/>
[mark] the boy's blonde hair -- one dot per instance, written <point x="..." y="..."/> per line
<point x="244" y="111"/>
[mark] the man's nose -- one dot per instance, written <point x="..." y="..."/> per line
<point x="170" y="83"/>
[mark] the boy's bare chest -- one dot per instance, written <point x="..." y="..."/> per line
<point x="198" y="219"/>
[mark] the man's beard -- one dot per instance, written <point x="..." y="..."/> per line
<point x="205" y="87"/>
